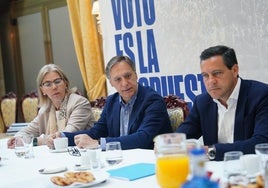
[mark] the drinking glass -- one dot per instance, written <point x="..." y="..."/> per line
<point x="262" y="151"/>
<point x="113" y="153"/>
<point x="95" y="157"/>
<point x="85" y="159"/>
<point x="28" y="144"/>
<point x="19" y="146"/>
<point x="232" y="163"/>
<point x="250" y="163"/>
<point x="172" y="163"/>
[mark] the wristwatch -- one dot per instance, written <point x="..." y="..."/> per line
<point x="211" y="152"/>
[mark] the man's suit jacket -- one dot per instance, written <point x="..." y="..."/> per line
<point x="251" y="119"/>
<point x="149" y="118"/>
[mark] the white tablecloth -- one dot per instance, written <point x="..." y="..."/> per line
<point x="20" y="172"/>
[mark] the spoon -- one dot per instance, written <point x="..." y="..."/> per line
<point x="52" y="170"/>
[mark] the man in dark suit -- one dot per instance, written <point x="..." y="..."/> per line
<point x="134" y="115"/>
<point x="233" y="113"/>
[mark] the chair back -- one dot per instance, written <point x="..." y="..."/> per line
<point x="8" y="109"/>
<point x="29" y="106"/>
<point x="173" y="101"/>
<point x="2" y="126"/>
<point x="97" y="107"/>
<point x="177" y="110"/>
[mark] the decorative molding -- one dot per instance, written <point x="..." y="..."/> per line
<point x="96" y="12"/>
<point x="25" y="7"/>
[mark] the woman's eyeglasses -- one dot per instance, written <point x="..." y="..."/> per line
<point x="56" y="82"/>
<point x="74" y="152"/>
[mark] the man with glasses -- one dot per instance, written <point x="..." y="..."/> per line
<point x="134" y="115"/>
<point x="233" y="114"/>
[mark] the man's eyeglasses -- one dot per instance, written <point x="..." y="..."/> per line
<point x="74" y="152"/>
<point x="49" y="84"/>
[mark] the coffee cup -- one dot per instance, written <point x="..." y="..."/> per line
<point x="60" y="143"/>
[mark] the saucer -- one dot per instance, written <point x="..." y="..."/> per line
<point x="58" y="150"/>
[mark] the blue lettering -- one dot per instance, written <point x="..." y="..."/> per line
<point x="143" y="81"/>
<point x="155" y="84"/>
<point x="128" y="14"/>
<point x="128" y="44"/>
<point x="138" y="11"/>
<point x="117" y="14"/>
<point x="177" y="80"/>
<point x="190" y="83"/>
<point x="170" y="85"/>
<point x="167" y="81"/>
<point x="166" y="85"/>
<point x="143" y="69"/>
<point x="200" y="79"/>
<point x="123" y="10"/>
<point x="149" y="11"/>
<point x="117" y="39"/>
<point x="152" y="54"/>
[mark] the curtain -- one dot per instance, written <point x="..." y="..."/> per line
<point x="2" y="126"/>
<point x="87" y="47"/>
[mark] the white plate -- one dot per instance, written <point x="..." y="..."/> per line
<point x="58" y="151"/>
<point x="100" y="176"/>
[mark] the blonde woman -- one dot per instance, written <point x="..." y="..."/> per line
<point x="61" y="109"/>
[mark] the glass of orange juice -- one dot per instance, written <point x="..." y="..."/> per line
<point x="172" y="163"/>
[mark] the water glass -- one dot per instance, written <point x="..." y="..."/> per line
<point x="250" y="163"/>
<point x="262" y="151"/>
<point x="192" y="144"/>
<point x="95" y="157"/>
<point x="85" y="159"/>
<point x="28" y="144"/>
<point x="232" y="163"/>
<point x="114" y="153"/>
<point x="19" y="147"/>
